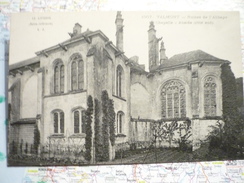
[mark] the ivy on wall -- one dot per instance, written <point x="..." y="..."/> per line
<point x="228" y="138"/>
<point x="240" y="97"/>
<point x="229" y="94"/>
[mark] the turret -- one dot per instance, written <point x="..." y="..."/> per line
<point x="119" y="31"/>
<point x="76" y="30"/>
<point x="153" y="47"/>
<point x="163" y="56"/>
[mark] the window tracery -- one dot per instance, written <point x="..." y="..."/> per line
<point x="79" y="121"/>
<point x="173" y="98"/>
<point x="119" y="81"/>
<point x="59" y="77"/>
<point x="77" y="72"/>
<point x="210" y="96"/>
<point x="120" y="121"/>
<point x="58" y="121"/>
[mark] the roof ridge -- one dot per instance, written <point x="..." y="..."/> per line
<point x="187" y="57"/>
<point x="25" y="62"/>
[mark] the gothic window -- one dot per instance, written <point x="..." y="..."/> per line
<point x="79" y="121"/>
<point x="62" y="78"/>
<point x="120" y="121"/>
<point x="58" y="121"/>
<point x="210" y="96"/>
<point x="119" y="81"/>
<point x="173" y="99"/>
<point x="59" y="77"/>
<point x="77" y="73"/>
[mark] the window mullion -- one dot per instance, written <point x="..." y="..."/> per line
<point x="118" y="123"/>
<point x="179" y="104"/>
<point x="76" y="75"/>
<point x="58" y="122"/>
<point x="59" y="79"/>
<point x="80" y="122"/>
<point x="173" y="104"/>
<point x="166" y="98"/>
<point x="120" y="82"/>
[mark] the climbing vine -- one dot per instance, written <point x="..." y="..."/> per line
<point x="229" y="94"/>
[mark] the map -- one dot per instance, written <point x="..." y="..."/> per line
<point x="168" y="173"/>
<point x="218" y="171"/>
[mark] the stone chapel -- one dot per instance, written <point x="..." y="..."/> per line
<point x="61" y="77"/>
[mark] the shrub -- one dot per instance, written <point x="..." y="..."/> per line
<point x="88" y="139"/>
<point x="105" y="126"/>
<point x="98" y="136"/>
<point x="36" y="139"/>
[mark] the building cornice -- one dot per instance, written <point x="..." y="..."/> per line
<point x="199" y="62"/>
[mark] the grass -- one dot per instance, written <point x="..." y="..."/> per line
<point x="159" y="155"/>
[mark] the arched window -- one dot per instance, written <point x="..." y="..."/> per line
<point x="119" y="81"/>
<point x="59" y="77"/>
<point x="173" y="98"/>
<point x="209" y="96"/>
<point x="79" y="121"/>
<point x="77" y="72"/>
<point x="58" y="121"/>
<point x="120" y="121"/>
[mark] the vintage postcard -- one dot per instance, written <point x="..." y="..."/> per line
<point x="124" y="88"/>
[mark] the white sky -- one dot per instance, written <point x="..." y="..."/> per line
<point x="220" y="38"/>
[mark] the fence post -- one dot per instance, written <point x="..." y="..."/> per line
<point x="31" y="149"/>
<point x="21" y="146"/>
<point x="26" y="148"/>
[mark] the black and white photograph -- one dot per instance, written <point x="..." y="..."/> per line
<point x="97" y="88"/>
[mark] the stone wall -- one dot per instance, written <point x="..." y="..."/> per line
<point x="100" y="63"/>
<point x="26" y="133"/>
<point x="22" y="97"/>
<point x="23" y="94"/>
<point x="146" y="94"/>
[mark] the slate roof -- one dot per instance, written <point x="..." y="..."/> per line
<point x="185" y="58"/>
<point x="24" y="63"/>
<point x="136" y="68"/>
<point x="86" y="33"/>
<point x="78" y="37"/>
<point x="24" y="121"/>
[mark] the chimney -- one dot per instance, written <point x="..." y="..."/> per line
<point x="163" y="56"/>
<point x="153" y="48"/>
<point x="134" y="59"/>
<point x="76" y="30"/>
<point x="119" y="31"/>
